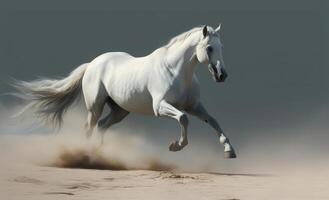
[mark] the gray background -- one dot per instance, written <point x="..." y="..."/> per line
<point x="275" y="52"/>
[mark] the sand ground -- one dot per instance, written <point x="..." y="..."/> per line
<point x="21" y="178"/>
<point x="35" y="182"/>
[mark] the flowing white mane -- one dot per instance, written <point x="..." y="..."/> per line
<point x="181" y="37"/>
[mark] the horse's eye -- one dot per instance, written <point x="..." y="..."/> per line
<point x="209" y="49"/>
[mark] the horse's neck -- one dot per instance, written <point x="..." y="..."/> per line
<point x="181" y="58"/>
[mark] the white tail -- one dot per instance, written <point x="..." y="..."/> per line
<point x="51" y="98"/>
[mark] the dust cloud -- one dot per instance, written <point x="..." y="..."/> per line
<point x="28" y="141"/>
<point x="24" y="140"/>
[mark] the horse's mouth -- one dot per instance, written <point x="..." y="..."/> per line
<point x="215" y="75"/>
<point x="220" y="78"/>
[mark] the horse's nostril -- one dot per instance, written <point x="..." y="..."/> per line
<point x="222" y="77"/>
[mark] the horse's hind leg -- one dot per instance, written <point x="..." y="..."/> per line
<point x="116" y="115"/>
<point x="93" y="116"/>
<point x="95" y="100"/>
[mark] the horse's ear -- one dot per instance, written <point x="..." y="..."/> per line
<point x="218" y="28"/>
<point x="205" y="31"/>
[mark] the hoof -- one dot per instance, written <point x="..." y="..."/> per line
<point x="229" y="154"/>
<point x="175" y="146"/>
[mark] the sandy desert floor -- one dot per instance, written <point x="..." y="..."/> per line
<point x="23" y="178"/>
<point x="34" y="182"/>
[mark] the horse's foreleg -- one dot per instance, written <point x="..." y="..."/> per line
<point x="200" y="112"/>
<point x="165" y="109"/>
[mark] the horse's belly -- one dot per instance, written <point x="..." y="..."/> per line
<point x="133" y="101"/>
<point x="126" y="84"/>
<point x="138" y="105"/>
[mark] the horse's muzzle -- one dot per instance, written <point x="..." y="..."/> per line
<point x="221" y="77"/>
<point x="217" y="76"/>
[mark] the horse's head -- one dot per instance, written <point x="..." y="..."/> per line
<point x="209" y="51"/>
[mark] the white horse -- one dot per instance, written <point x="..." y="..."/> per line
<point x="162" y="83"/>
